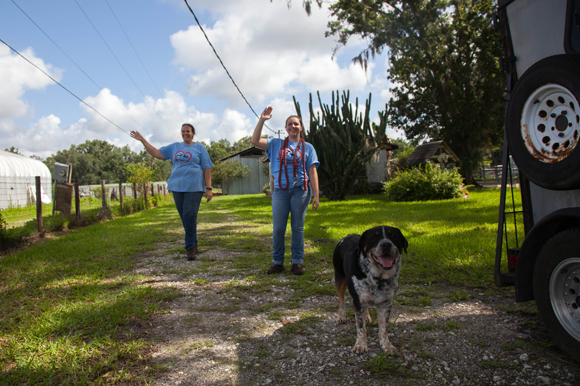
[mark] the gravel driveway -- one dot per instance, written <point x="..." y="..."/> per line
<point x="225" y="330"/>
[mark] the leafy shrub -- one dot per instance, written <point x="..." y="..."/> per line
<point x="7" y="239"/>
<point x="2" y="223"/>
<point x="55" y="223"/>
<point x="426" y="182"/>
<point x="13" y="237"/>
<point x="399" y="164"/>
<point x="98" y="191"/>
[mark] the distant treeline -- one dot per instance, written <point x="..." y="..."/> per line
<point x="96" y="160"/>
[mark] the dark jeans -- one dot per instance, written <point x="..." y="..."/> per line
<point x="187" y="204"/>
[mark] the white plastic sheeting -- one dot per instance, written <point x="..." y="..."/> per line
<point x="18" y="182"/>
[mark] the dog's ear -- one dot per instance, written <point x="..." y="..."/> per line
<point x="362" y="242"/>
<point x="398" y="238"/>
<point x="401" y="240"/>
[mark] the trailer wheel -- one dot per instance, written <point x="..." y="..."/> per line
<point x="557" y="289"/>
<point x="543" y="122"/>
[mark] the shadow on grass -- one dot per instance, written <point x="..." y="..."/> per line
<point x="65" y="300"/>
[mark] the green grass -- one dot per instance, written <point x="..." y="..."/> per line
<point x="67" y="304"/>
<point x="451" y="241"/>
<point x="18" y="216"/>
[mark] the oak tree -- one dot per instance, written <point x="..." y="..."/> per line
<point x="445" y="76"/>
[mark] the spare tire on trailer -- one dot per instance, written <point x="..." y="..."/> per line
<point x="557" y="289"/>
<point x="543" y="123"/>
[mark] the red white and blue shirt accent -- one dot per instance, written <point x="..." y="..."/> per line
<point x="188" y="164"/>
<point x="300" y="156"/>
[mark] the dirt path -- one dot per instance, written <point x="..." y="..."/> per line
<point x="225" y="330"/>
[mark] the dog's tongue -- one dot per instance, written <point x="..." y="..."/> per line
<point x="386" y="262"/>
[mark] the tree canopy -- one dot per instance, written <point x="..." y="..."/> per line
<point x="95" y="160"/>
<point x="443" y="66"/>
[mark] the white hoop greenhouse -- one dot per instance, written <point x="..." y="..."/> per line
<point x="18" y="180"/>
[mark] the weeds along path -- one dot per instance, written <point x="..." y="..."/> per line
<point x="234" y="325"/>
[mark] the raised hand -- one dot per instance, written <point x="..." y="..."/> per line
<point x="267" y="113"/>
<point x="137" y="135"/>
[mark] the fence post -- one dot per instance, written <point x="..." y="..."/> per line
<point x="77" y="201"/>
<point x="135" y="191"/>
<point x="103" y="194"/>
<point x="145" y="195"/>
<point x="121" y="196"/>
<point x="152" y="190"/>
<point x="39" y="207"/>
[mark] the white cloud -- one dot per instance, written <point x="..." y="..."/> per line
<point x="16" y="76"/>
<point x="277" y="51"/>
<point x="324" y="74"/>
<point x="233" y="126"/>
<point x="43" y="136"/>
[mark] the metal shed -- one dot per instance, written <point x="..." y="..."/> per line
<point x="18" y="180"/>
<point x="435" y="152"/>
<point x="254" y="182"/>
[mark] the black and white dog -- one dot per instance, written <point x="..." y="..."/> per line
<point x="369" y="265"/>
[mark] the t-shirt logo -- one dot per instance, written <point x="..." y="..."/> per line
<point x="182" y="157"/>
<point x="290" y="155"/>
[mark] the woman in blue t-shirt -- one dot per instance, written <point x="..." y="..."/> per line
<point x="190" y="179"/>
<point x="293" y="165"/>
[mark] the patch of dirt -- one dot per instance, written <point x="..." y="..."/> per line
<point x="224" y="332"/>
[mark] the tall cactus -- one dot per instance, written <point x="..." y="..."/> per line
<point x="344" y="141"/>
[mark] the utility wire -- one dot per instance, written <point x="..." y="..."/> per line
<point x="143" y="64"/>
<point x="118" y="61"/>
<point x="66" y="89"/>
<point x="65" y="54"/>
<point x="223" y="65"/>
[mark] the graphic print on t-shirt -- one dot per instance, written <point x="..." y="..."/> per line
<point x="182" y="157"/>
<point x="290" y="155"/>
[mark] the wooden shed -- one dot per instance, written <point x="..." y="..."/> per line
<point x="436" y="152"/>
<point x="254" y="182"/>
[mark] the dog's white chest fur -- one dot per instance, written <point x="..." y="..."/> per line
<point x="376" y="290"/>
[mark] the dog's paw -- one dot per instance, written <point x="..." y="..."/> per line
<point x="360" y="348"/>
<point x="389" y="349"/>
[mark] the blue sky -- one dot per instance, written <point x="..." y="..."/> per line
<point x="273" y="53"/>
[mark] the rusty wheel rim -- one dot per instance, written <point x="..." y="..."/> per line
<point x="550" y="123"/>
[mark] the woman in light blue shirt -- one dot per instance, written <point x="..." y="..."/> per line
<point x="293" y="164"/>
<point x="190" y="179"/>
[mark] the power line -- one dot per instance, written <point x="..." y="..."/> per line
<point x="66" y="89"/>
<point x="65" y="54"/>
<point x="141" y="61"/>
<point x="222" y="63"/>
<point x="118" y="61"/>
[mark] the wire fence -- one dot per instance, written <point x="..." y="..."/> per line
<point x="492" y="174"/>
<point x="19" y="201"/>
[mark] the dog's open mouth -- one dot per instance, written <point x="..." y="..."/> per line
<point x="386" y="262"/>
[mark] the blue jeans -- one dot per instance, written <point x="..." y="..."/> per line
<point x="187" y="204"/>
<point x="293" y="202"/>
